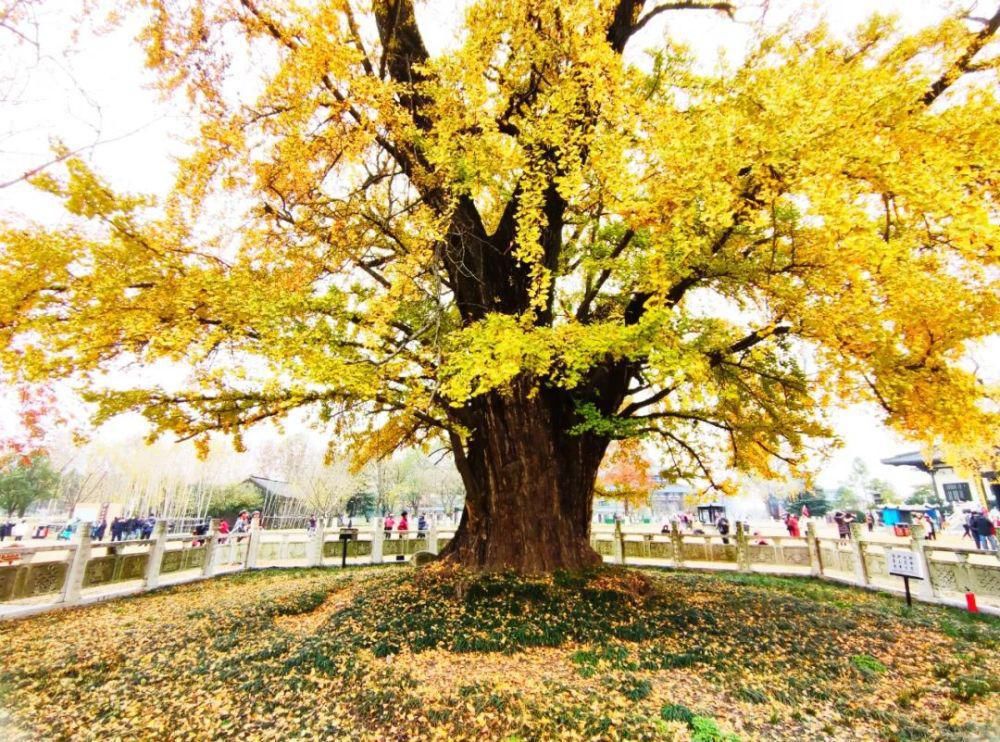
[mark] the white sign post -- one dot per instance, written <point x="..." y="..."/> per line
<point x="905" y="564"/>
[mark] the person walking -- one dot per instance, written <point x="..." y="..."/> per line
<point x="986" y="531"/>
<point x="722" y="524"/>
<point x="223" y="530"/>
<point x="20" y="530"/>
<point x="404" y="525"/>
<point x="870" y="521"/>
<point x="242" y="526"/>
<point x="792" y="524"/>
<point x="843" y="521"/>
<point x="931" y="528"/>
<point x="970" y="527"/>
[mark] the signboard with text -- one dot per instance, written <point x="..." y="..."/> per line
<point x="904" y="563"/>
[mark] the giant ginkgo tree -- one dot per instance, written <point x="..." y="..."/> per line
<point x="538" y="241"/>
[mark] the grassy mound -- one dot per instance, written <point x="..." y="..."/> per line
<point x="393" y="654"/>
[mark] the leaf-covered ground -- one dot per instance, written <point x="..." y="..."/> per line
<point x="395" y="654"/>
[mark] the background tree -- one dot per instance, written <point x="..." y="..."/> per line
<point x="862" y="490"/>
<point x="25" y="483"/>
<point x="444" y="484"/>
<point x="882" y="492"/>
<point x="625" y="477"/>
<point x="847" y="498"/>
<point x="229" y="501"/>
<point x="328" y="487"/>
<point x="817" y="501"/>
<point x="925" y="494"/>
<point x="532" y="247"/>
<point x="75" y="488"/>
<point x="362" y="504"/>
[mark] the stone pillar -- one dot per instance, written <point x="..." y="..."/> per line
<point x="157" y="546"/>
<point x="925" y="588"/>
<point x="858" y="549"/>
<point x="377" y="536"/>
<point x="742" y="548"/>
<point x="209" y="566"/>
<point x="78" y="567"/>
<point x="815" y="561"/>
<point x="678" y="543"/>
<point x="253" y="545"/>
<point x="618" y="548"/>
<point x="314" y="547"/>
<point x="432" y="536"/>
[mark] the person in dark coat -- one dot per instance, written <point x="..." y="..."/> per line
<point x="723" y="525"/>
<point x="983" y="527"/>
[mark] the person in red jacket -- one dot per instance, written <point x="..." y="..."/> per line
<point x="403" y="526"/>
<point x="223" y="530"/>
<point x="792" y="524"/>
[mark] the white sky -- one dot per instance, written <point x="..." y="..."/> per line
<point x="98" y="90"/>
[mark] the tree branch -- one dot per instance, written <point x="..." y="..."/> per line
<point x="583" y="311"/>
<point x="728" y="8"/>
<point x="964" y="63"/>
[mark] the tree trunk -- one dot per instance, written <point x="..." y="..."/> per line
<point x="529" y="483"/>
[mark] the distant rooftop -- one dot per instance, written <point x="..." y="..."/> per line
<point x="916" y="459"/>
<point x="276" y="487"/>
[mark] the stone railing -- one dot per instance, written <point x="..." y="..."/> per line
<point x="950" y="572"/>
<point x="36" y="578"/>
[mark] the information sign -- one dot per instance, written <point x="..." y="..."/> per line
<point x="904" y="563"/>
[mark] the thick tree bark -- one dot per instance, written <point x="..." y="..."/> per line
<point x="529" y="483"/>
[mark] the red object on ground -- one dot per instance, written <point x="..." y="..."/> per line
<point x="970" y="601"/>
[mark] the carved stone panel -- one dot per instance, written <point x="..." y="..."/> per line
<point x="99" y="571"/>
<point x="45" y="578"/>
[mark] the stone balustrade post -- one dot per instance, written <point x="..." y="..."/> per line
<point x="78" y="567"/>
<point x="154" y="559"/>
<point x="432" y="536"/>
<point x="377" y="536"/>
<point x="212" y="549"/>
<point x="314" y="548"/>
<point x="618" y="548"/>
<point x="858" y="549"/>
<point x="815" y="561"/>
<point x="253" y="544"/>
<point x="742" y="548"/>
<point x="677" y="540"/>
<point x="925" y="588"/>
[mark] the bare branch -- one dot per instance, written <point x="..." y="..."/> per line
<point x="728" y="8"/>
<point x="964" y="63"/>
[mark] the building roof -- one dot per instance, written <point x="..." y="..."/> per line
<point x="915" y="459"/>
<point x="276" y="487"/>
